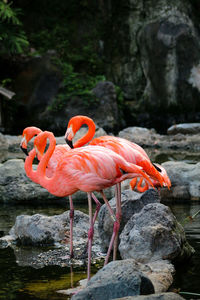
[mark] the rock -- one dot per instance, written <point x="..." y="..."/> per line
<point x="40" y="232"/>
<point x="132" y="203"/>
<point x="10" y="147"/>
<point x="154" y="234"/>
<point x="160" y="273"/>
<point x="6" y="241"/>
<point x="59" y="255"/>
<point x="105" y="92"/>
<point x="17" y="188"/>
<point x="172" y="34"/>
<point x="43" y="230"/>
<point x="139" y="135"/>
<point x="117" y="279"/>
<point x="151" y="66"/>
<point x="185" y="179"/>
<point x="150" y="139"/>
<point x="187" y="128"/>
<point x="161" y="296"/>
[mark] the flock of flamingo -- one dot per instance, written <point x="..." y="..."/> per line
<point x="105" y="161"/>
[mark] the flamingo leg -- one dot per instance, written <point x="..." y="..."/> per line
<point x="71" y="214"/>
<point x="90" y="235"/>
<point x="141" y="188"/>
<point x="133" y="183"/>
<point x="115" y="227"/>
<point x="118" y="217"/>
<point x="98" y="206"/>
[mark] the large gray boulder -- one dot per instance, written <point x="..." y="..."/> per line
<point x="47" y="230"/>
<point x="131" y="203"/>
<point x="154" y="234"/>
<point x="185" y="128"/>
<point x="149" y="138"/>
<point x="185" y="179"/>
<point x="117" y="279"/>
<point x="159" y="273"/>
<point x="16" y="187"/>
<point x="107" y="107"/>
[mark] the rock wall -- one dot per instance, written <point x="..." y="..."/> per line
<point x="159" y="63"/>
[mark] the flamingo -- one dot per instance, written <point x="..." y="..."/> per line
<point x="87" y="169"/>
<point x="130" y="151"/>
<point x="27" y="135"/>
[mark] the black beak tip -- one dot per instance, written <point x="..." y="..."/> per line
<point x="24" y="150"/>
<point x="157" y="168"/>
<point x="70" y="143"/>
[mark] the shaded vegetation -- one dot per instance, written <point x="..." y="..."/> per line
<point x="73" y="29"/>
<point x="13" y="39"/>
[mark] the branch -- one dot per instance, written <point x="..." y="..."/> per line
<point x="8" y="94"/>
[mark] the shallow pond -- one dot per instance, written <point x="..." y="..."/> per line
<point x="18" y="282"/>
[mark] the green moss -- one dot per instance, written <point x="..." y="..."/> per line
<point x="75" y="85"/>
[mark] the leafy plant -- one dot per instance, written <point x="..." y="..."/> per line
<point x="75" y="85"/>
<point x="12" y="37"/>
<point x="6" y="82"/>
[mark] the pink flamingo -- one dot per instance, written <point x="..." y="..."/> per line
<point x="130" y="151"/>
<point x="27" y="135"/>
<point x="87" y="169"/>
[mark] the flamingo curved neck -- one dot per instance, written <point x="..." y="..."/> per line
<point x="36" y="130"/>
<point x="57" y="184"/>
<point x="41" y="170"/>
<point x="28" y="166"/>
<point x="90" y="133"/>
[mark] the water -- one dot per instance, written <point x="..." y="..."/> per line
<point x="28" y="283"/>
<point x="187" y="277"/>
<point x="18" y="282"/>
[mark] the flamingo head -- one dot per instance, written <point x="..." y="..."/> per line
<point x="27" y="135"/>
<point x="69" y="135"/>
<point x="163" y="172"/>
<point x="74" y="125"/>
<point x="40" y="143"/>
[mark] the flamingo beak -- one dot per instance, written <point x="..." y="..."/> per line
<point x="24" y="143"/>
<point x="157" y="168"/>
<point x="24" y="150"/>
<point x="70" y="143"/>
<point x="69" y="136"/>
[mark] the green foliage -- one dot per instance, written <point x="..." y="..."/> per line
<point x="6" y="82"/>
<point x="12" y="37"/>
<point x="82" y="55"/>
<point x="75" y="85"/>
<point x="120" y="95"/>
